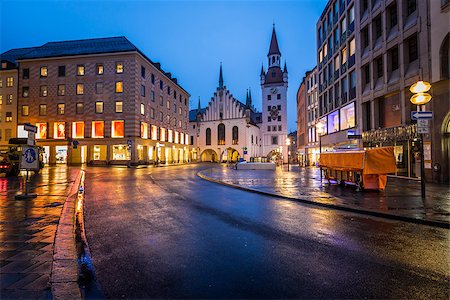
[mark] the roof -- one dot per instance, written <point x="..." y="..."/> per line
<point x="274" y="75"/>
<point x="82" y="47"/>
<point x="274" y="44"/>
<point x="193" y="114"/>
<point x="87" y="47"/>
<point x="13" y="54"/>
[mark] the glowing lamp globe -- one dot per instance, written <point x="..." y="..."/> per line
<point x="420" y="87"/>
<point x="420" y="98"/>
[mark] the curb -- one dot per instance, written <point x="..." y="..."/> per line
<point x="332" y="206"/>
<point x="64" y="276"/>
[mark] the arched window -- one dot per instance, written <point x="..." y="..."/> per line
<point x="208" y="136"/>
<point x="235" y="135"/>
<point x="444" y="59"/>
<point x="221" y="134"/>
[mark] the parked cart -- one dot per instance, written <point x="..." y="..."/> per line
<point x="367" y="169"/>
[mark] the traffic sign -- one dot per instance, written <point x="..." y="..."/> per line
<point x="416" y="115"/>
<point x="30" y="128"/>
<point x="245" y="152"/>
<point x="30" y="158"/>
<point x="422" y="126"/>
<point x="30" y="140"/>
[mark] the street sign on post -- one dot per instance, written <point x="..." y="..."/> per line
<point x="30" y="158"/>
<point x="416" y="115"/>
<point x="422" y="126"/>
<point x="30" y="128"/>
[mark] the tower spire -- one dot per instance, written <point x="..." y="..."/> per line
<point x="220" y="77"/>
<point x="273" y="49"/>
<point x="199" y="108"/>
<point x="248" y="100"/>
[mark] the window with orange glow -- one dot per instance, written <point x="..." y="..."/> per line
<point x="144" y="130"/>
<point x="186" y="139"/>
<point x="177" y="135"/>
<point x="117" y="129"/>
<point x="78" y="130"/>
<point x="181" y="138"/>
<point x="154" y="132"/>
<point x="170" y="136"/>
<point x="98" y="129"/>
<point x="41" y="130"/>
<point x="162" y="137"/>
<point x="119" y="86"/>
<point x="59" y="130"/>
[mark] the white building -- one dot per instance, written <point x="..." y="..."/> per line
<point x="274" y="84"/>
<point x="227" y="129"/>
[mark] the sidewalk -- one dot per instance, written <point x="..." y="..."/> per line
<point x="401" y="197"/>
<point x="27" y="232"/>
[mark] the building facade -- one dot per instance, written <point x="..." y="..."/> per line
<point x="274" y="84"/>
<point x="302" y="131"/>
<point x="369" y="54"/>
<point x="102" y="101"/>
<point x="312" y="117"/>
<point x="227" y="129"/>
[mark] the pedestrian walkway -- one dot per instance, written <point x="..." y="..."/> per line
<point x="27" y="232"/>
<point x="402" y="197"/>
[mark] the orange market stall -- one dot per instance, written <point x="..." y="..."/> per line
<point x="367" y="169"/>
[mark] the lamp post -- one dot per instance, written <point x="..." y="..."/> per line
<point x="320" y="130"/>
<point x="288" y="143"/>
<point x="420" y="98"/>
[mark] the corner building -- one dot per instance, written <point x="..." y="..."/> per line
<point x="107" y="97"/>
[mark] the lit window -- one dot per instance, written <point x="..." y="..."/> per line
<point x="80" y="70"/>
<point x="8" y="117"/>
<point x="43" y="110"/>
<point x="78" y="130"/>
<point x="80" y="89"/>
<point x="144" y="130"/>
<point x="44" y="91"/>
<point x="119" y="106"/>
<point x="1" y="99"/>
<point x="25" y="110"/>
<point x="98" y="129"/>
<point x="180" y="111"/>
<point x="325" y="50"/>
<point x="168" y="104"/>
<point x="336" y="63"/>
<point x="170" y="136"/>
<point x="119" y="86"/>
<point x="41" y="130"/>
<point x="59" y="130"/>
<point x="99" y="107"/>
<point x="99" y="69"/>
<point x="1" y="83"/>
<point x="320" y="57"/>
<point x="352" y="47"/>
<point x="117" y="129"/>
<point x="177" y="137"/>
<point x="344" y="56"/>
<point x="186" y="139"/>
<point x="61" y="107"/>
<point x="348" y="116"/>
<point x="61" y="89"/>
<point x="119" y="67"/>
<point x="44" y="71"/>
<point x="154" y="132"/>
<point x="162" y="137"/>
<point x="9" y="81"/>
<point x="181" y="138"/>
<point x="25" y="91"/>
<point x="333" y="122"/>
<point x="142" y="109"/>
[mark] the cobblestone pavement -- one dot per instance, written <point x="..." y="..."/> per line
<point x="27" y="232"/>
<point x="401" y="197"/>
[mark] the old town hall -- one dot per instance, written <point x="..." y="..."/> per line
<point x="228" y="129"/>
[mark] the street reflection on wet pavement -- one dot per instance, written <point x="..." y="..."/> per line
<point x="27" y="232"/>
<point x="401" y="197"/>
<point x="165" y="233"/>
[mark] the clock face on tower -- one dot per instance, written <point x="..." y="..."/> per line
<point x="273" y="90"/>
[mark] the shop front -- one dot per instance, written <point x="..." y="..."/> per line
<point x="406" y="143"/>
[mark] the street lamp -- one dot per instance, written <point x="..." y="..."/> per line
<point x="421" y="97"/>
<point x="288" y="143"/>
<point x="320" y="127"/>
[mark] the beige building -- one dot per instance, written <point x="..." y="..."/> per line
<point x="312" y="114"/>
<point x="369" y="54"/>
<point x="102" y="101"/>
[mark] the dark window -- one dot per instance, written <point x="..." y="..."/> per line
<point x="274" y="74"/>
<point x="410" y="7"/>
<point x="279" y="127"/>
<point x="142" y="72"/>
<point x="80" y="108"/>
<point x="279" y="107"/>
<point x="353" y="79"/>
<point x="61" y="71"/>
<point x="142" y="90"/>
<point x="268" y="128"/>
<point x="379" y="64"/>
<point x="192" y="139"/>
<point x="174" y="94"/>
<point x="268" y="118"/>
<point x="412" y="48"/>
<point x="235" y="134"/>
<point x="61" y="89"/>
<point x="208" y="136"/>
<point x="269" y="97"/>
<point x="393" y="58"/>
<point x="392" y="14"/>
<point x="269" y="108"/>
<point x="364" y="6"/>
<point x="365" y="37"/>
<point x="168" y="90"/>
<point x="153" y="78"/>
<point x="279" y="118"/>
<point x="377" y="29"/>
<point x="26" y="73"/>
<point x="43" y="110"/>
<point x="278" y="96"/>
<point x="99" y="87"/>
<point x="161" y="85"/>
<point x="366" y="70"/>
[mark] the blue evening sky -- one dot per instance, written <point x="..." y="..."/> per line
<point x="189" y="38"/>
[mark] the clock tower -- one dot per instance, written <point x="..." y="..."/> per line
<point x="274" y="84"/>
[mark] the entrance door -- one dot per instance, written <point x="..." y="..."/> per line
<point x="61" y="154"/>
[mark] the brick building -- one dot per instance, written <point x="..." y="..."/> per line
<point x="107" y="96"/>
